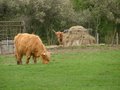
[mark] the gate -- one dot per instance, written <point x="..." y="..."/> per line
<point x="8" y="30"/>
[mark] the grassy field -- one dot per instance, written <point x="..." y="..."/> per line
<point x="86" y="69"/>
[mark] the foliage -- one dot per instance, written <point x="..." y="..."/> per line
<point x="41" y="16"/>
<point x="95" y="12"/>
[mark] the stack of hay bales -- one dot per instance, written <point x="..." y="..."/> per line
<point x="76" y="36"/>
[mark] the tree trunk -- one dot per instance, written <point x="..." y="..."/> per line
<point x="114" y="34"/>
<point x="117" y="39"/>
<point x="97" y="28"/>
<point x="97" y="36"/>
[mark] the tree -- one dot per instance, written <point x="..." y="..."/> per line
<point x="46" y="15"/>
<point x="101" y="15"/>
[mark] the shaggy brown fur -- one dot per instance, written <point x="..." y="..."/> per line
<point x="59" y="37"/>
<point x="30" y="45"/>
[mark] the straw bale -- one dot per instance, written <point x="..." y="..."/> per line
<point x="76" y="36"/>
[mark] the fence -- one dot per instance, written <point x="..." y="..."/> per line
<point x="8" y="29"/>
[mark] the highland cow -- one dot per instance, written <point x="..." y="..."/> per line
<point x="30" y="45"/>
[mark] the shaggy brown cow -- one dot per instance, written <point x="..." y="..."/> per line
<point x="30" y="45"/>
<point x="59" y="37"/>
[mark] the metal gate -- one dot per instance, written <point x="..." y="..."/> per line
<point x="8" y="30"/>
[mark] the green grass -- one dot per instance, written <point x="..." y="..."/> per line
<point x="91" y="70"/>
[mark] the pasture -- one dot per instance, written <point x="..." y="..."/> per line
<point x="78" y="68"/>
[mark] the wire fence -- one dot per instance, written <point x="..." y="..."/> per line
<point x="8" y="30"/>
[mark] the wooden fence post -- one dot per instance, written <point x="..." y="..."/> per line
<point x="97" y="37"/>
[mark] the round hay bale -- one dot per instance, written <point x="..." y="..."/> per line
<point x="77" y="29"/>
<point x="76" y="36"/>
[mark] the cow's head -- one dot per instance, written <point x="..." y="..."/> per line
<point x="46" y="57"/>
<point x="59" y="36"/>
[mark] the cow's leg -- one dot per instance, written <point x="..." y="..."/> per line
<point x="19" y="59"/>
<point x="34" y="58"/>
<point x="28" y="57"/>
